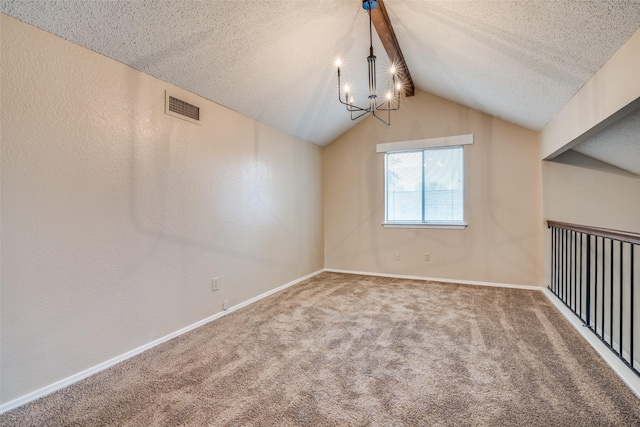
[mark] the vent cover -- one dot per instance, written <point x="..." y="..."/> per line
<point x="178" y="106"/>
<point x="181" y="109"/>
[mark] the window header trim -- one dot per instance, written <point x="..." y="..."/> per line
<point x="417" y="144"/>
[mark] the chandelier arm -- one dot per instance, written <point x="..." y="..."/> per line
<point x="346" y="104"/>
<point x="351" y="107"/>
<point x="381" y="119"/>
<point x="365" y="112"/>
<point x="379" y="107"/>
<point x="354" y="108"/>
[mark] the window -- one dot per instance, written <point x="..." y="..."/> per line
<point x="425" y="187"/>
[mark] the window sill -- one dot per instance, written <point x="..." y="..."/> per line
<point x="412" y="225"/>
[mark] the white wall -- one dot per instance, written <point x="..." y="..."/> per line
<point x="502" y="200"/>
<point x="115" y="216"/>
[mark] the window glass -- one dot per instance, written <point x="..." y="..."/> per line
<point x="425" y="186"/>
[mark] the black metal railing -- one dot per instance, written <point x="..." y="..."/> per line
<point x="593" y="274"/>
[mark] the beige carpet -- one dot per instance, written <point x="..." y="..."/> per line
<point x="345" y="350"/>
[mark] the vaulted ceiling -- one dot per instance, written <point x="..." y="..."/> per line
<point x="273" y="60"/>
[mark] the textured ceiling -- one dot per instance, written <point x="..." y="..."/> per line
<point x="618" y="144"/>
<point x="272" y="60"/>
<point x="521" y="61"/>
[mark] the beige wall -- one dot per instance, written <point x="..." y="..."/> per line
<point x="584" y="196"/>
<point x="502" y="200"/>
<point x="115" y="216"/>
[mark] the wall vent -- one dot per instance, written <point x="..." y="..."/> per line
<point x="181" y="109"/>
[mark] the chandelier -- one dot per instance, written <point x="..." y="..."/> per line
<point x="390" y="100"/>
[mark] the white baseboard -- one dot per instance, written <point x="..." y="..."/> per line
<point x="111" y="362"/>
<point x="626" y="375"/>
<point x="435" y="279"/>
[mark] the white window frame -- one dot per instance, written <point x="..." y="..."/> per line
<point x="422" y="145"/>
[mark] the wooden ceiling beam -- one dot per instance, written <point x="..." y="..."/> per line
<point x="384" y="29"/>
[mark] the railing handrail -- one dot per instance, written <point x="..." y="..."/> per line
<point x="623" y="236"/>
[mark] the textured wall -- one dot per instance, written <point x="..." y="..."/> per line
<point x="115" y="216"/>
<point x="502" y="200"/>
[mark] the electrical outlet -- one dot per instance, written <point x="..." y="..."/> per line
<point x="397" y="256"/>
<point x="427" y="256"/>
<point x="214" y="284"/>
<point x="225" y="304"/>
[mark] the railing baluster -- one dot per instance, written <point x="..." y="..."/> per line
<point x="557" y="249"/>
<point x="561" y="291"/>
<point x="554" y="254"/>
<point x="611" y="294"/>
<point x="558" y="232"/>
<point x="581" y="293"/>
<point x="566" y="270"/>
<point x="631" y="300"/>
<point x="569" y="285"/>
<point x="595" y="287"/>
<point x="603" y="292"/>
<point x="579" y="278"/>
<point x="562" y="263"/>
<point x="575" y="267"/>
<point x="587" y="303"/>
<point x="621" y="300"/>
